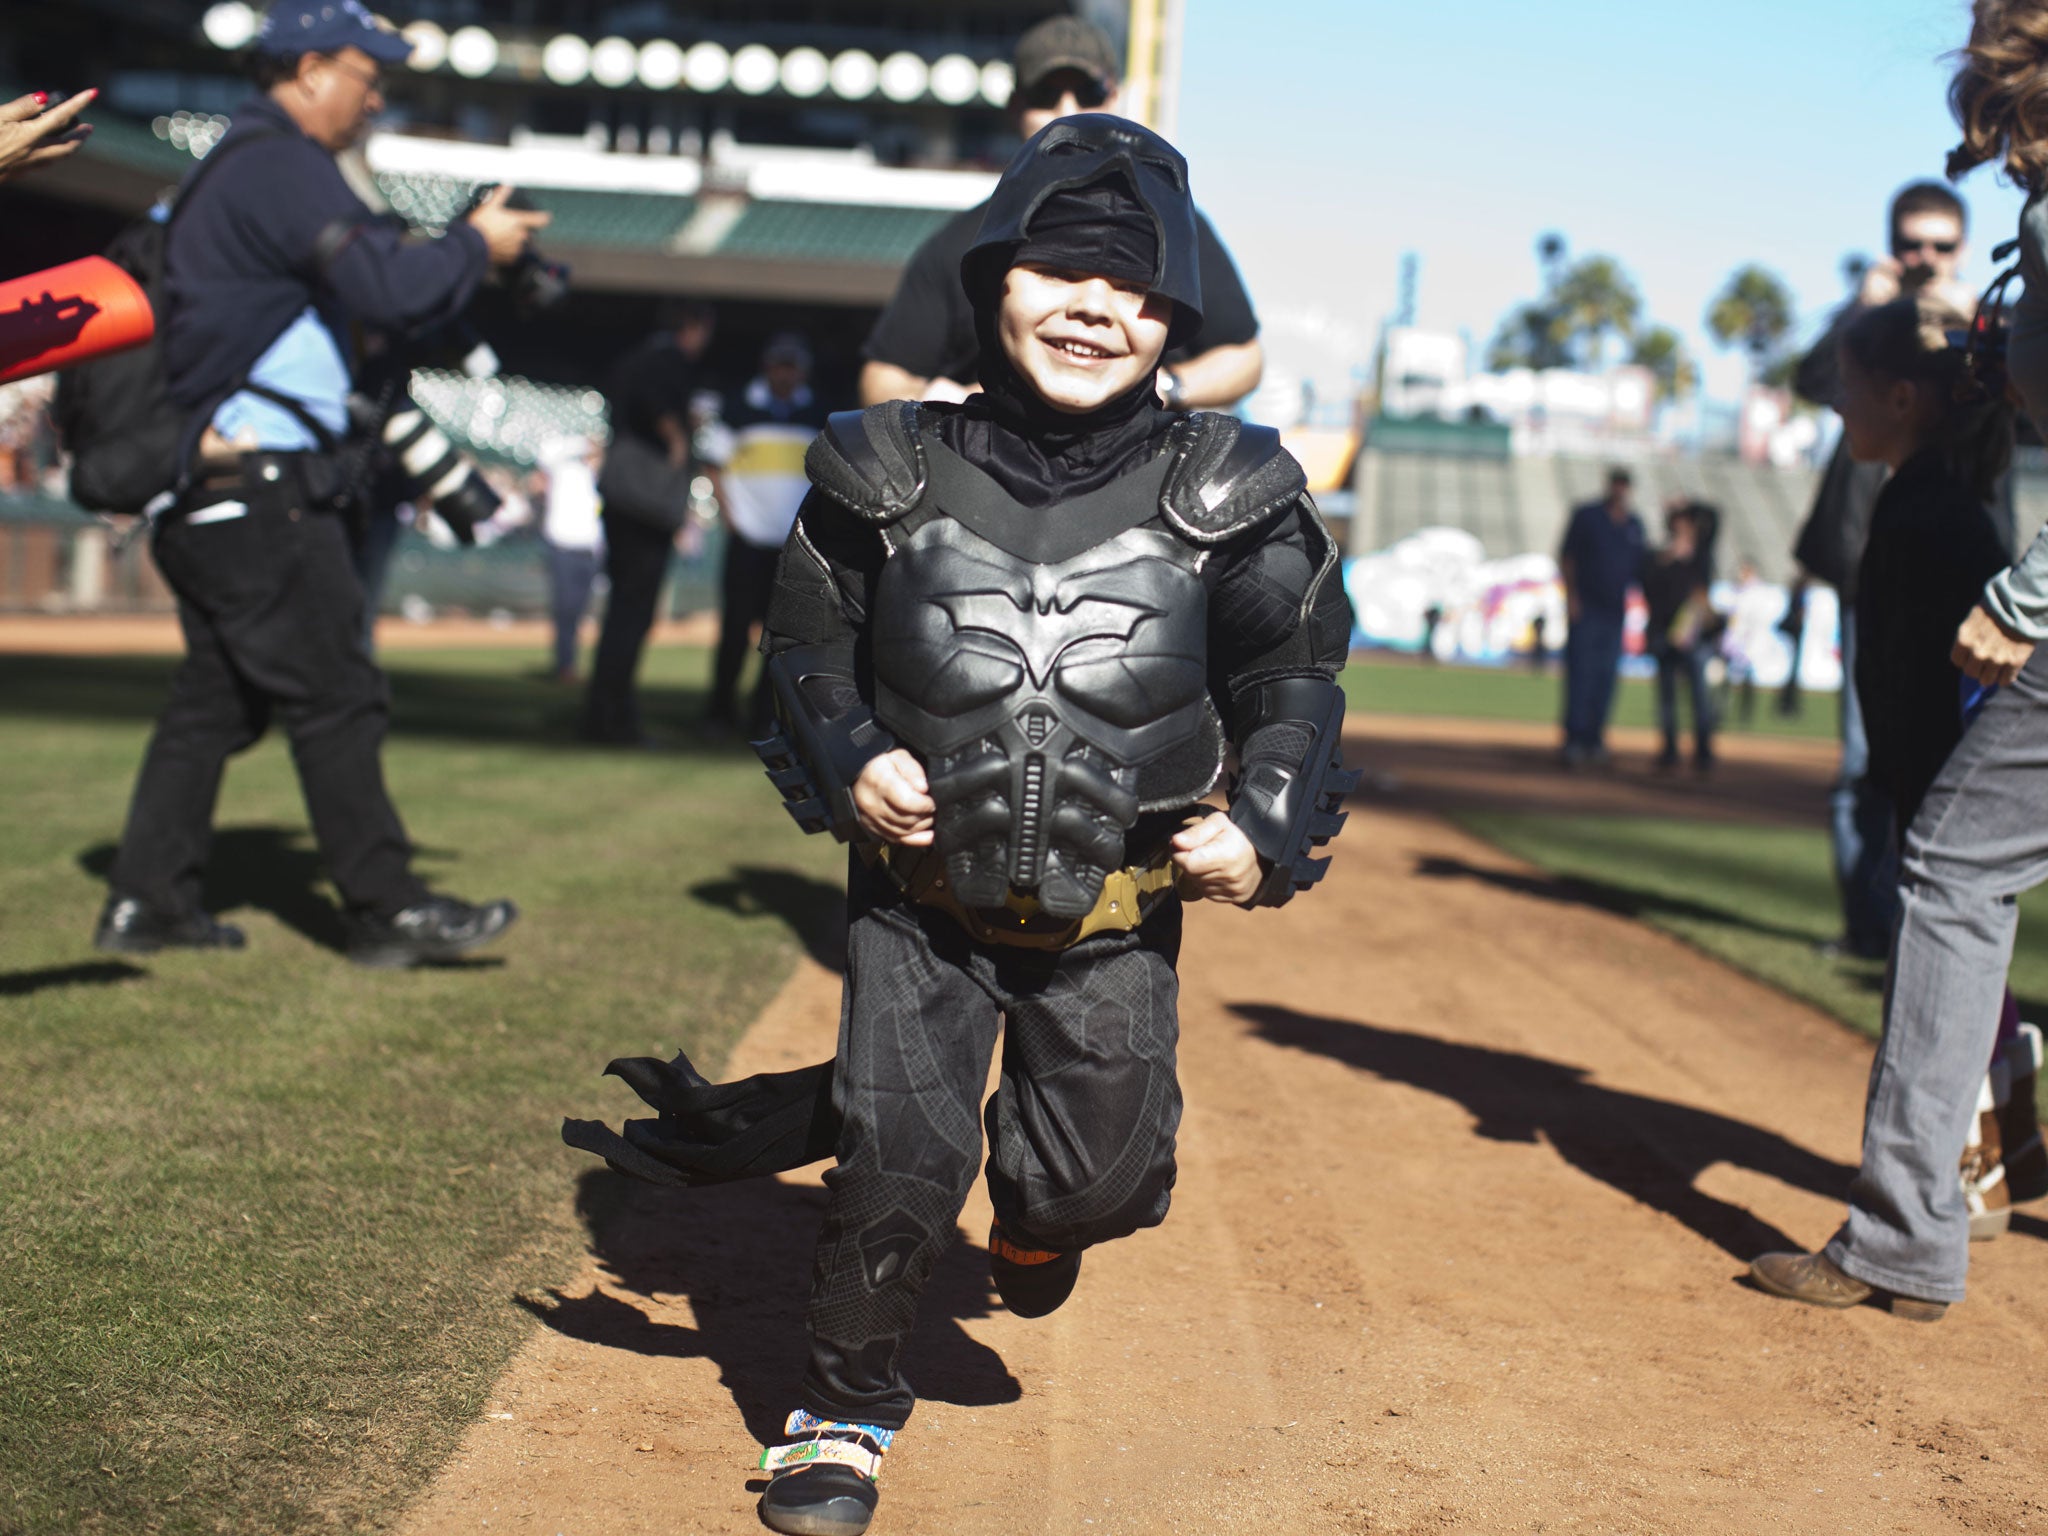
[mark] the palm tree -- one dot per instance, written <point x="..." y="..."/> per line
<point x="1754" y="312"/>
<point x="1660" y="350"/>
<point x="1532" y="336"/>
<point x="1596" y="299"/>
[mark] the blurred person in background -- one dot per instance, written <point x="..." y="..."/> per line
<point x="924" y="345"/>
<point x="1928" y="229"/>
<point x="652" y="425"/>
<point x="573" y="536"/>
<point x="1752" y="620"/>
<point x="1598" y="563"/>
<point x="1675" y="578"/>
<point x="761" y="483"/>
<point x="269" y="258"/>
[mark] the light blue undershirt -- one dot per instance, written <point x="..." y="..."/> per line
<point x="306" y="363"/>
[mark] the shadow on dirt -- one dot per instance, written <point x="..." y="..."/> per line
<point x="1652" y="1150"/>
<point x="814" y="909"/>
<point x="741" y="1253"/>
<point x="1573" y="890"/>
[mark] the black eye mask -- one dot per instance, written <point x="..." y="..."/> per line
<point x="1101" y="230"/>
<point x="1094" y="193"/>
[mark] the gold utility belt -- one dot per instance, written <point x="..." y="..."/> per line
<point x="1128" y="896"/>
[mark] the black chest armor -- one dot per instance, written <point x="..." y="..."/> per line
<point x="1048" y="665"/>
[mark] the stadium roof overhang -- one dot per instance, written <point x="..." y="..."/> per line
<point x="782" y="229"/>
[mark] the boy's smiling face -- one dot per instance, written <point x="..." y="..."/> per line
<point x="1077" y="338"/>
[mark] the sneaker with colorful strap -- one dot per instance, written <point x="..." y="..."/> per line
<point x="823" y="1482"/>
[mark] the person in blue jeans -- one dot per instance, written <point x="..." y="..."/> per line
<point x="1913" y="400"/>
<point x="1602" y="553"/>
<point x="1675" y="580"/>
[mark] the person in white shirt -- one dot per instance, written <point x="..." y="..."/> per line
<point x="573" y="534"/>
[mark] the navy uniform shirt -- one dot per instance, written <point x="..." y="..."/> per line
<point x="1605" y="556"/>
<point x="244" y="259"/>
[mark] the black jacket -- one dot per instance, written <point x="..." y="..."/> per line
<point x="1932" y="547"/>
<point x="246" y="256"/>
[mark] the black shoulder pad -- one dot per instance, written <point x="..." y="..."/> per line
<point x="871" y="462"/>
<point x="1229" y="478"/>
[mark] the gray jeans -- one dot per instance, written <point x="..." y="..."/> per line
<point x="1980" y="840"/>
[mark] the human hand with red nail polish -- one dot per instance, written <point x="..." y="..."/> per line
<point x="33" y="133"/>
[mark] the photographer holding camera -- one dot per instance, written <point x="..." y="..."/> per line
<point x="270" y="260"/>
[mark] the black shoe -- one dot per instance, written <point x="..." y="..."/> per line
<point x="1032" y="1282"/>
<point x="823" y="1482"/>
<point x="819" y="1501"/>
<point x="438" y="928"/>
<point x="127" y="927"/>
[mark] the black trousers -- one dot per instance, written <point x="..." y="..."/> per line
<point x="1081" y="1130"/>
<point x="747" y="583"/>
<point x="636" y="559"/>
<point x="273" y="621"/>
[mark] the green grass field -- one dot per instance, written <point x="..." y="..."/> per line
<point x="1389" y="685"/>
<point x="267" y="1215"/>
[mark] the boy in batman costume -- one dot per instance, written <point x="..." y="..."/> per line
<point x="1010" y="641"/>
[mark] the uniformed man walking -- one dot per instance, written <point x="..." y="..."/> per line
<point x="268" y="260"/>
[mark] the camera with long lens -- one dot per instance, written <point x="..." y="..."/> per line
<point x="432" y="471"/>
<point x="438" y="476"/>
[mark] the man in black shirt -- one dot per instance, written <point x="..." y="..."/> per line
<point x="650" y="404"/>
<point x="923" y="346"/>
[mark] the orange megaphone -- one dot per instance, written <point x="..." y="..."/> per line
<point x="70" y="314"/>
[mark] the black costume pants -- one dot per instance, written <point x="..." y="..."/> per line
<point x="748" y="582"/>
<point x="1081" y="1130"/>
<point x="273" y="621"/>
<point x="635" y="563"/>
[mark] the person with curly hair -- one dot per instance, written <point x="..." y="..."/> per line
<point x="1980" y="838"/>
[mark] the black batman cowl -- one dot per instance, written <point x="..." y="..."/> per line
<point x="1093" y="193"/>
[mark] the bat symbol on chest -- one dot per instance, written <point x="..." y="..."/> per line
<point x="1042" y="632"/>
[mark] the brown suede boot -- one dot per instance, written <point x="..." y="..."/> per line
<point x="1813" y="1279"/>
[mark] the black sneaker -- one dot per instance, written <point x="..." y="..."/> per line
<point x="823" y="1483"/>
<point x="438" y="928"/>
<point x="1031" y="1281"/>
<point x="127" y="927"/>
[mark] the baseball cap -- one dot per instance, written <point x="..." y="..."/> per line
<point x="326" y="26"/>
<point x="1065" y="42"/>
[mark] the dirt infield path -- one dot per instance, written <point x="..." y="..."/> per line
<point x="1467" y="1182"/>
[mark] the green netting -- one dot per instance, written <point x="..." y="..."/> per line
<point x="790" y="231"/>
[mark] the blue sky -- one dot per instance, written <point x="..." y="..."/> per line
<point x="1327" y="137"/>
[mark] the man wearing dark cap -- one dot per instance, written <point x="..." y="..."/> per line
<point x="269" y="261"/>
<point x="923" y="346"/>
